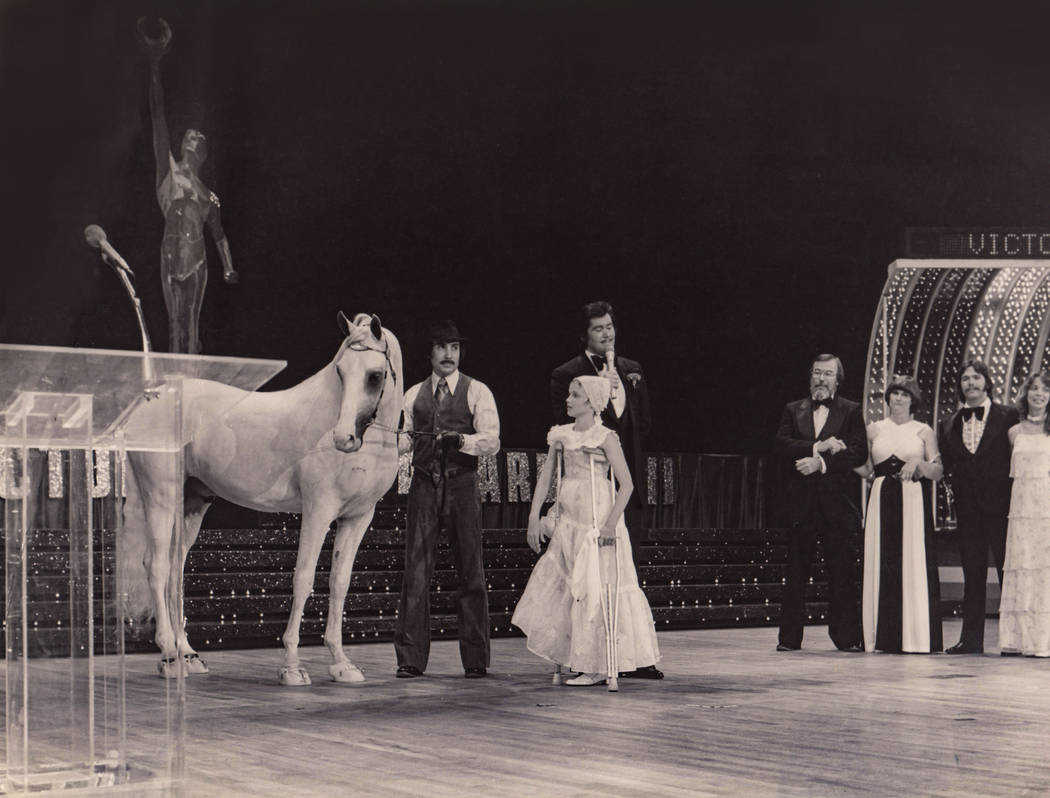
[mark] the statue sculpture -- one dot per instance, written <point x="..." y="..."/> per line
<point x="188" y="207"/>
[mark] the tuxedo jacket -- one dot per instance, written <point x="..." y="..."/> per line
<point x="980" y="481"/>
<point x="835" y="494"/>
<point x="632" y="427"/>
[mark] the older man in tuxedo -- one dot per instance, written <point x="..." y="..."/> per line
<point x="627" y="412"/>
<point x="822" y="439"/>
<point x="976" y="451"/>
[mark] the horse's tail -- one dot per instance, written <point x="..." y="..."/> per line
<point x="136" y="601"/>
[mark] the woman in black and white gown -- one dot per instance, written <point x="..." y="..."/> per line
<point x="901" y="593"/>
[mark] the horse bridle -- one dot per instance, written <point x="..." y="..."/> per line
<point x="363" y="346"/>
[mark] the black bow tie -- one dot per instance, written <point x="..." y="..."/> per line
<point x="970" y="412"/>
<point x="821" y="403"/>
<point x="598" y="361"/>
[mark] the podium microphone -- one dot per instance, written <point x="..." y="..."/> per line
<point x="96" y="238"/>
<point x="610" y="361"/>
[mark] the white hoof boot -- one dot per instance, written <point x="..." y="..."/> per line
<point x="168" y="667"/>
<point x="345" y="671"/>
<point x="194" y="664"/>
<point x="294" y="677"/>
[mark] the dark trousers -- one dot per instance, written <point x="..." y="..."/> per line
<point x="977" y="530"/>
<point x="840" y="562"/>
<point x="461" y="518"/>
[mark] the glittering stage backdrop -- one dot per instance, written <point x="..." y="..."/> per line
<point x="707" y="558"/>
<point x="680" y="490"/>
<point x="934" y="314"/>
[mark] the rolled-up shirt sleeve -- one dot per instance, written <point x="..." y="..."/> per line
<point x="404" y="440"/>
<point x="482" y="405"/>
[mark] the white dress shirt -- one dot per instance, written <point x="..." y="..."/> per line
<point x="972" y="430"/>
<point x="482" y="406"/>
<point x="619" y="400"/>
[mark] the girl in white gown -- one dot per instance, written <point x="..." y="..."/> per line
<point x="1024" y="609"/>
<point x="560" y="610"/>
<point x="901" y="594"/>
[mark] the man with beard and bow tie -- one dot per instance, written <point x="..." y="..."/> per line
<point x="822" y="439"/>
<point x="627" y="413"/>
<point x="976" y="452"/>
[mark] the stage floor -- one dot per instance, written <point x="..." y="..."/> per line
<point x="732" y="718"/>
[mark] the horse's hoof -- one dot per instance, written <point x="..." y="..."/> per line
<point x="294" y="677"/>
<point x="345" y="672"/>
<point x="168" y="667"/>
<point x="194" y="664"/>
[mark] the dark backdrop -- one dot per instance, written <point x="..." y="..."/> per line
<point x="733" y="176"/>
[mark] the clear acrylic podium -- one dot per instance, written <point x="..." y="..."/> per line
<point x="75" y="716"/>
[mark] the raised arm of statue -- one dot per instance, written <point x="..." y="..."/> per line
<point x="155" y="49"/>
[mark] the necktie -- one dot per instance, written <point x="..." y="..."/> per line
<point x="598" y="361"/>
<point x="821" y="403"/>
<point x="970" y="412"/>
<point x="442" y="393"/>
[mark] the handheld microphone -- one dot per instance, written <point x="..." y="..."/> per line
<point x="96" y="238"/>
<point x="610" y="362"/>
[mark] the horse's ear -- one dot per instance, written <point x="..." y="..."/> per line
<point x="377" y="327"/>
<point x="343" y="322"/>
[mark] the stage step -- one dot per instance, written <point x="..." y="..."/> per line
<point x="238" y="582"/>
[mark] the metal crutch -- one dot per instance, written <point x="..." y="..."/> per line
<point x="556" y="678"/>
<point x="605" y="597"/>
<point x="613" y="599"/>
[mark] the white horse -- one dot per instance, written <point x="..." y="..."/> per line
<point x="326" y="448"/>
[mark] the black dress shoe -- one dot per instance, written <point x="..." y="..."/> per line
<point x="963" y="648"/>
<point x="408" y="672"/>
<point x="474" y="673"/>
<point x="782" y="647"/>
<point x="1009" y="653"/>
<point x="856" y="648"/>
<point x="648" y="672"/>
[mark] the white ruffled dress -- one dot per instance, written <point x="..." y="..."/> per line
<point x="560" y="610"/>
<point x="1024" y="609"/>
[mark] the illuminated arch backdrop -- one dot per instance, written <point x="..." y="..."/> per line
<point x="933" y="314"/>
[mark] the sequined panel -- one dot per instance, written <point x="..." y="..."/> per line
<point x="912" y="318"/>
<point x="993" y="332"/>
<point x="541" y="459"/>
<point x="56" y="484"/>
<point x="488" y="478"/>
<point x="100" y="485"/>
<point x="894" y="294"/>
<point x="937" y="322"/>
<point x="1031" y="339"/>
<point x="956" y="344"/>
<point x="11" y="483"/>
<point x="519" y="488"/>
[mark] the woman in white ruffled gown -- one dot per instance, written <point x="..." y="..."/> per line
<point x="901" y="594"/>
<point x="560" y="610"/>
<point x="1024" y="609"/>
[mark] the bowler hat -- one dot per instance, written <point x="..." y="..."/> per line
<point x="444" y="332"/>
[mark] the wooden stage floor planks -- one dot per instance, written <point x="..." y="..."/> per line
<point x="732" y="718"/>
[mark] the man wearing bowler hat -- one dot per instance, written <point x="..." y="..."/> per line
<point x="451" y="419"/>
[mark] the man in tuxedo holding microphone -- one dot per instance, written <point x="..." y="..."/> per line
<point x="627" y="412"/>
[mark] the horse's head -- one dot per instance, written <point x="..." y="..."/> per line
<point x="363" y="364"/>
